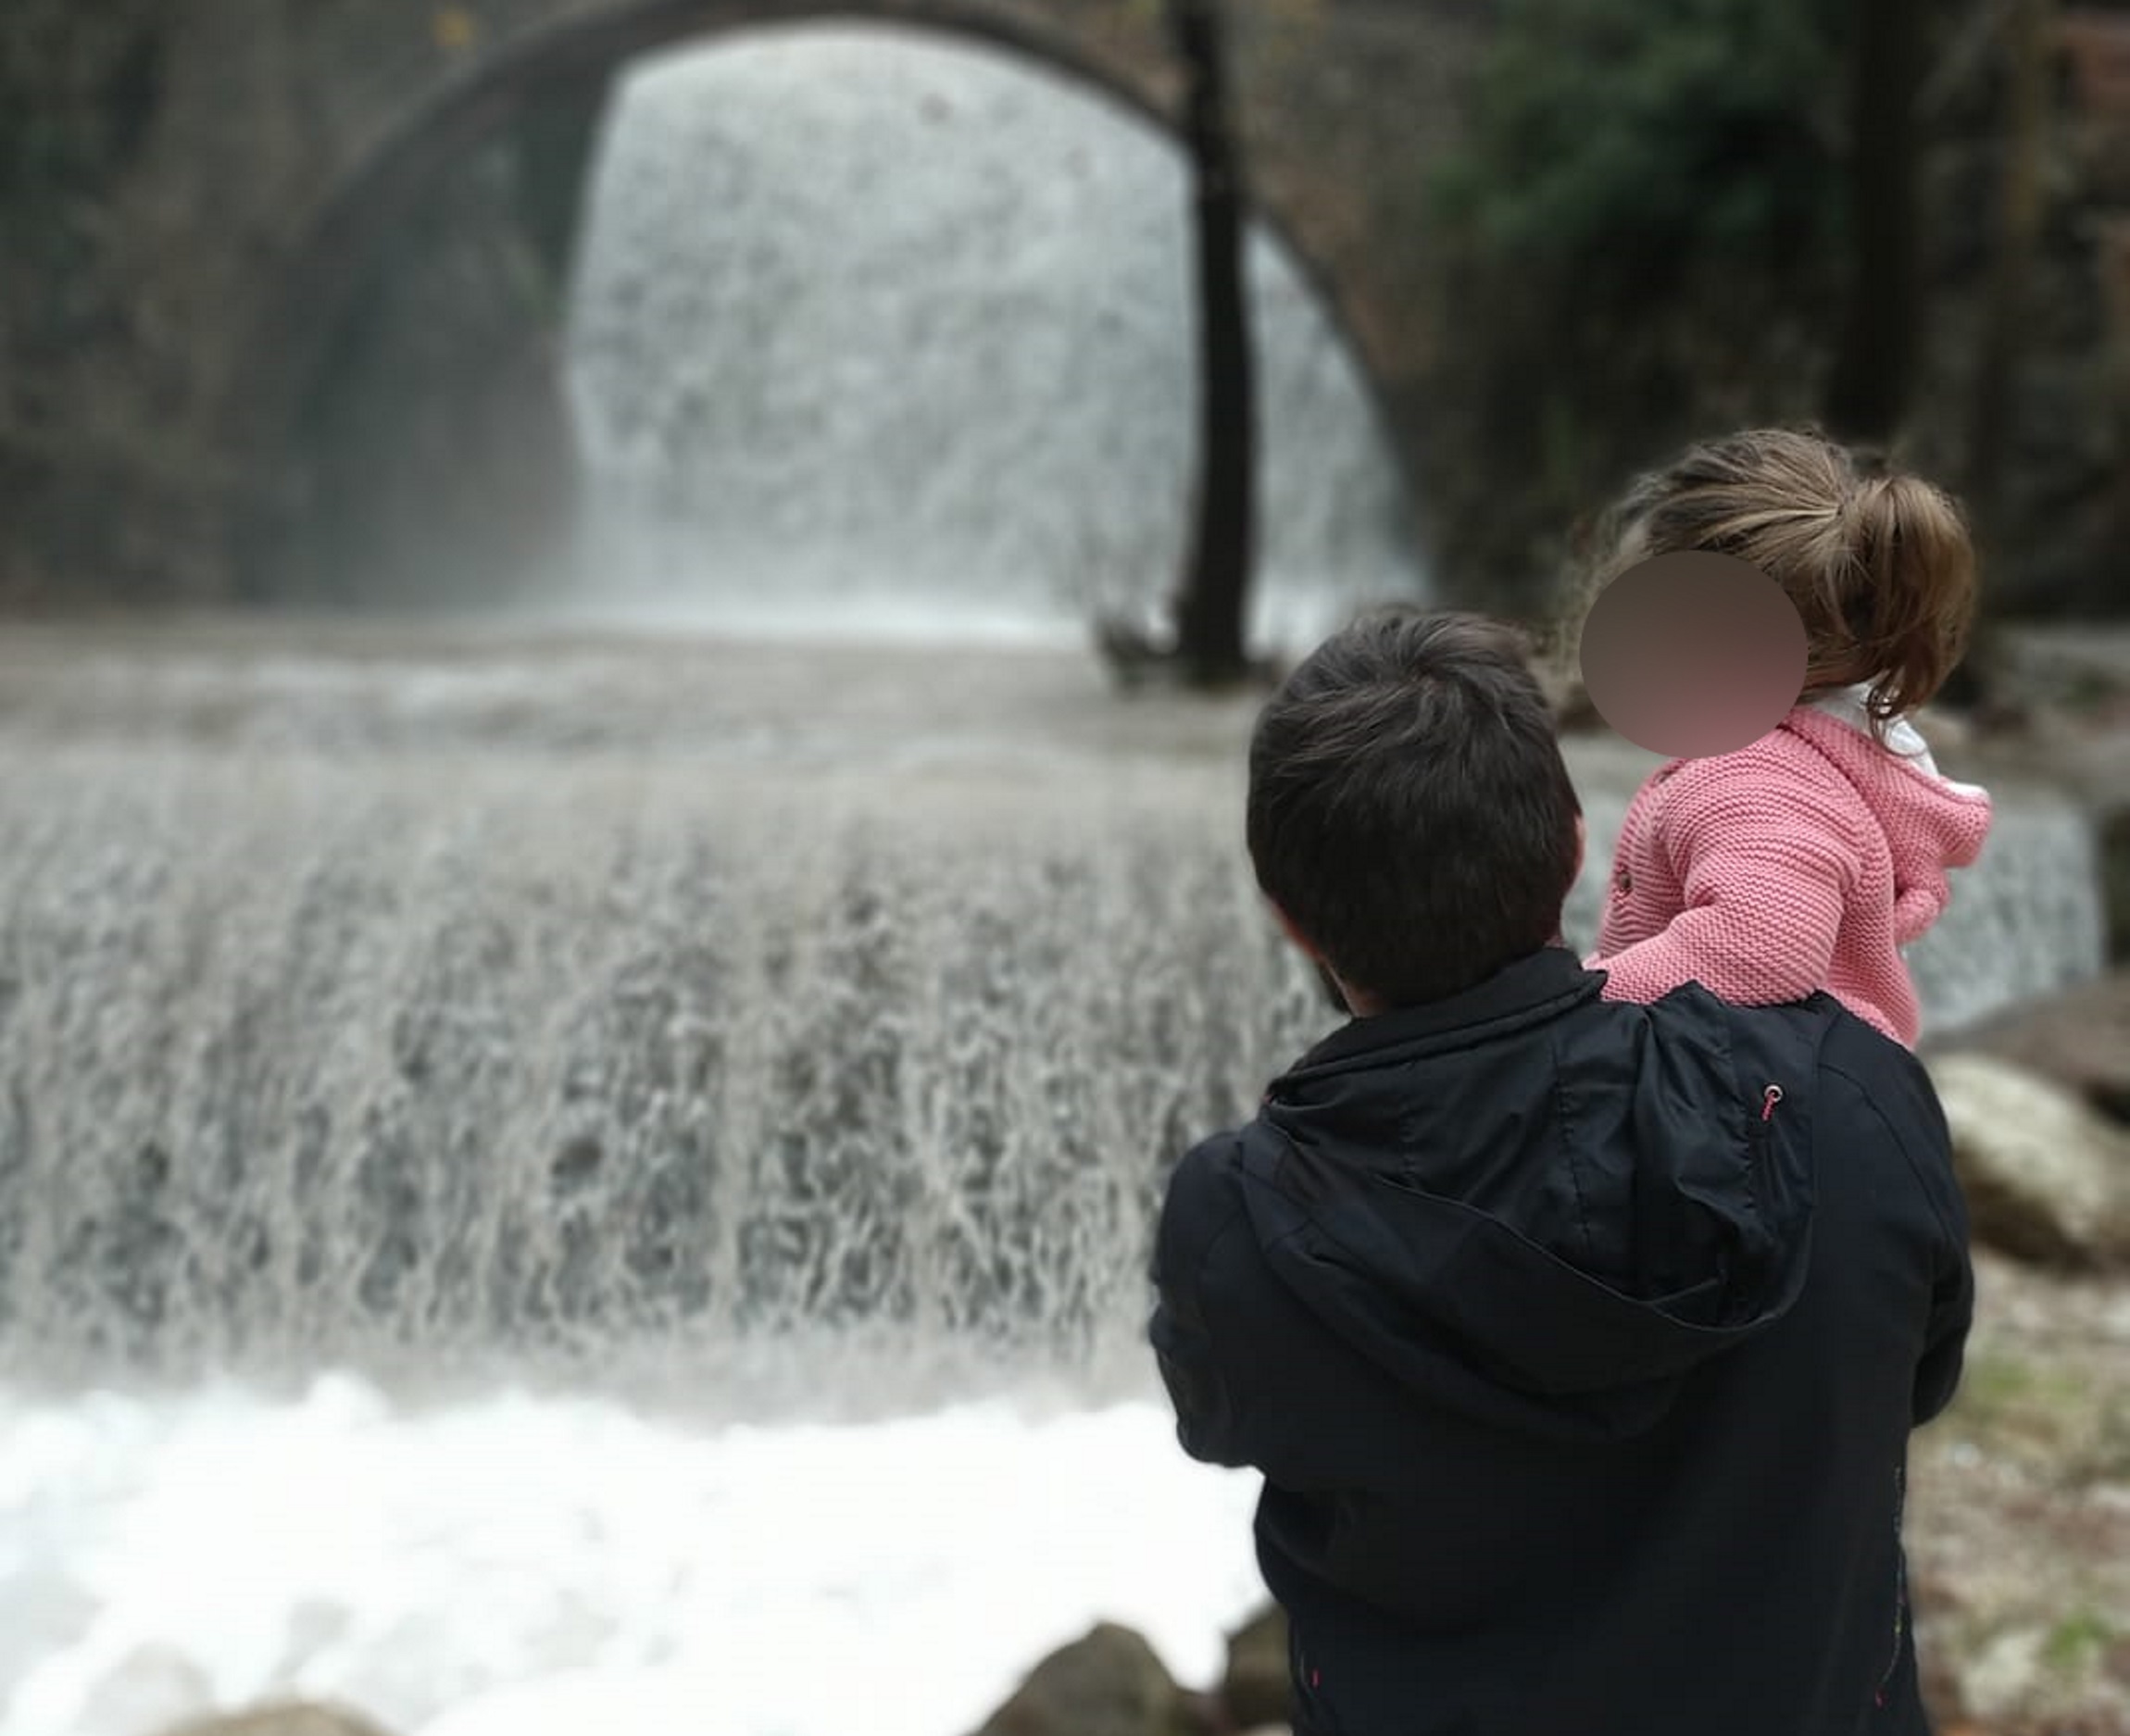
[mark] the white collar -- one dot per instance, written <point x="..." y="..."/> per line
<point x="1902" y="737"/>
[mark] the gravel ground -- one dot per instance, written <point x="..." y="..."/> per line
<point x="2020" y="1522"/>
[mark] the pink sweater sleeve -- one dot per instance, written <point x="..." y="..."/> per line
<point x="1917" y="907"/>
<point x="1765" y="873"/>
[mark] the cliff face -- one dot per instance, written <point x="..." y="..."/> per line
<point x="430" y="457"/>
<point x="83" y="90"/>
<point x="159" y="169"/>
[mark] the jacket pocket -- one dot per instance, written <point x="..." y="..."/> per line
<point x="1312" y="1715"/>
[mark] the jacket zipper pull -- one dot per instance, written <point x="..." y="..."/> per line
<point x="1768" y="1099"/>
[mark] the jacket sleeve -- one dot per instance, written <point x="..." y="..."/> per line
<point x="1766" y="873"/>
<point x="1944" y="1348"/>
<point x="1202" y="1210"/>
<point x="1917" y="906"/>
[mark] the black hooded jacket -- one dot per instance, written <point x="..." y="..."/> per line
<point x="1579" y="1344"/>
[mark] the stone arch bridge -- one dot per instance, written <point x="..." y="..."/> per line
<point x="196" y="198"/>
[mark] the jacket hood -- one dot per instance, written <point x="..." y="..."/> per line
<point x="1931" y="822"/>
<point x="1542" y="1208"/>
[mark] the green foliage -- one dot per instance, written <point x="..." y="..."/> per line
<point x="2078" y="1640"/>
<point x="1606" y="125"/>
<point x="1639" y="238"/>
<point x="2051" y="1417"/>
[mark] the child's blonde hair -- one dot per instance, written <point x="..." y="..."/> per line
<point x="1878" y="562"/>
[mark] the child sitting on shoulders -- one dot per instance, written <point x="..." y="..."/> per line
<point x="1811" y="857"/>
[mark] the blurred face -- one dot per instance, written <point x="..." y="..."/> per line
<point x="1691" y="654"/>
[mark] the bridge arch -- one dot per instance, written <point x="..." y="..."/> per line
<point x="432" y="115"/>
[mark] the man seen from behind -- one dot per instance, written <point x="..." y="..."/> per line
<point x="1578" y="1341"/>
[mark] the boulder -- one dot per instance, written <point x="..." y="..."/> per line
<point x="1255" y="1690"/>
<point x="2080" y="1038"/>
<point x="1108" y="1683"/>
<point x="2001" y="1677"/>
<point x="295" y="1718"/>
<point x="2047" y="1178"/>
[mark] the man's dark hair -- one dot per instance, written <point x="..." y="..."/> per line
<point x="1409" y="807"/>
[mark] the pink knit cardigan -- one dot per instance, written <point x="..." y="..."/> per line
<point x="1806" y="860"/>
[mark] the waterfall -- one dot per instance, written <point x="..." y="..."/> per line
<point x="598" y="999"/>
<point x="337" y="1047"/>
<point x="894" y="333"/>
<point x="305" y="1062"/>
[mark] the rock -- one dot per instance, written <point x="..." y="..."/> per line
<point x="1255" y="1690"/>
<point x="1110" y="1683"/>
<point x="2079" y="1038"/>
<point x="292" y="1718"/>
<point x="2047" y="1179"/>
<point x="2000" y="1679"/>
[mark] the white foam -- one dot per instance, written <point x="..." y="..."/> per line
<point x="528" y="1564"/>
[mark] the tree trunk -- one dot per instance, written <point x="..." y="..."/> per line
<point x="1868" y="392"/>
<point x="2019" y="231"/>
<point x="1212" y="607"/>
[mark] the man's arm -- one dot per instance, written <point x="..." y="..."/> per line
<point x="1897" y="1092"/>
<point x="1203" y="1207"/>
<point x="1945" y="1349"/>
<point x="1765" y="870"/>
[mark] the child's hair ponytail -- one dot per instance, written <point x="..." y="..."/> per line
<point x="1878" y="562"/>
<point x="1908" y="617"/>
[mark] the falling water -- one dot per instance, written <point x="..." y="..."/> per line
<point x="569" y="1054"/>
<point x="576" y="1000"/>
<point x="871" y="322"/>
